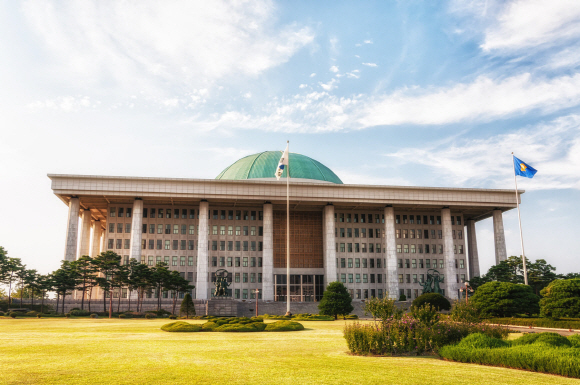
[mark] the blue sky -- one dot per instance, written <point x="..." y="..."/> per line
<point x="384" y="92"/>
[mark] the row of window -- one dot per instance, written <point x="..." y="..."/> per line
<point x="170" y="261"/>
<point x="357" y="277"/>
<point x="175" y="244"/>
<point x="420" y="278"/>
<point x="358" y="247"/>
<point x="188" y="230"/>
<point x="358" y="232"/>
<point x="235" y="261"/>
<point x="411" y="233"/>
<point x="359" y="218"/>
<point x="431" y="219"/>
<point x="357" y="263"/>
<point x="187" y="213"/>
<point x="412" y="263"/>
<point x="429" y="249"/>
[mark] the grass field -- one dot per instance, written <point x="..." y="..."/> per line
<point x="102" y="351"/>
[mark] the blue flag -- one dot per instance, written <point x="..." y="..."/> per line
<point x="524" y="169"/>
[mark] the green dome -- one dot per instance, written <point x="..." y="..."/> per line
<point x="263" y="166"/>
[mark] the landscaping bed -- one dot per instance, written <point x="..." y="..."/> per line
<point x="234" y="325"/>
<point x="562" y="323"/>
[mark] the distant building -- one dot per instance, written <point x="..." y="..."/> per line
<point x="377" y="240"/>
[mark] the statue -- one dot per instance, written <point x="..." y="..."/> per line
<point x="431" y="285"/>
<point x="221" y="284"/>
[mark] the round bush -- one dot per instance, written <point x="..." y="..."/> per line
<point x="241" y="328"/>
<point x="180" y="327"/>
<point x="284" y="326"/>
<point x="553" y="339"/>
<point x="150" y="316"/>
<point x="31" y="313"/>
<point x="172" y="317"/>
<point x="481" y="341"/>
<point x="505" y="299"/>
<point x="79" y="313"/>
<point x="122" y="316"/>
<point x="209" y="326"/>
<point x="67" y="315"/>
<point x="38" y="315"/>
<point x="94" y="315"/>
<point x="436" y="300"/>
<point x="561" y="298"/>
<point x="13" y="314"/>
<point x="574" y="340"/>
<point x="526" y="339"/>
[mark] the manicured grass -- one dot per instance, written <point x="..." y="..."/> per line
<point x="121" y="351"/>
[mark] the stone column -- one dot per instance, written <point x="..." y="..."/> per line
<point x="329" y="245"/>
<point x="391" y="253"/>
<point x="449" y="255"/>
<point x="472" y="255"/>
<point x="499" y="237"/>
<point x="202" y="284"/>
<point x="268" y="254"/>
<point x="136" y="232"/>
<point x="72" y="228"/>
<point x="97" y="233"/>
<point x="85" y="241"/>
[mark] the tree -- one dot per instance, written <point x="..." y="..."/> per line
<point x="63" y="280"/>
<point x="160" y="278"/>
<point x="540" y="274"/>
<point x="476" y="282"/>
<point x="140" y="280"/>
<point x="436" y="300"/>
<point x="561" y="298"/>
<point x="11" y="267"/>
<point x="85" y="271"/>
<point x="335" y="300"/>
<point x="44" y="285"/>
<point x="177" y="284"/>
<point x="26" y="277"/>
<point x="187" y="307"/>
<point x="505" y="299"/>
<point x="569" y="276"/>
<point x="108" y="264"/>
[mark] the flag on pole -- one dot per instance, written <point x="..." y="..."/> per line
<point x="524" y="169"/>
<point x="282" y="164"/>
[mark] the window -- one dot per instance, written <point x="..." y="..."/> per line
<point x="214" y="230"/>
<point x="112" y="212"/>
<point x="159" y="213"/>
<point x="397" y="219"/>
<point x="245" y="216"/>
<point x="356" y="263"/>
<point x="190" y="245"/>
<point x="214" y="245"/>
<point x="365" y="278"/>
<point x="110" y="243"/>
<point x="175" y="244"/>
<point x="182" y="244"/>
<point x="342" y="249"/>
<point x="371" y="247"/>
<point x="111" y="227"/>
<point x="441" y="263"/>
<point x="222" y="230"/>
<point x="419" y="234"/>
<point x="343" y="278"/>
<point x="460" y="249"/>
<point x="428" y="263"/>
<point x="364" y="263"/>
<point x="413" y="249"/>
<point x="405" y="248"/>
<point x="408" y="278"/>
<point x="364" y="247"/>
<point x="440" y="249"/>
<point x="238" y="230"/>
<point x="399" y="248"/>
<point x="151" y="244"/>
<point x="356" y="248"/>
<point x="119" y="227"/>
<point x="459" y="221"/>
<point x="245" y="230"/>
<point x="237" y="260"/>
<point x="407" y="264"/>
<point x="222" y="245"/>
<point x="259" y="261"/>
<point x="405" y="233"/>
<point x="342" y="232"/>
<point x="356" y="232"/>
<point x="412" y="234"/>
<point x="397" y="233"/>
<point x="238" y="247"/>
<point x="350" y="262"/>
<point x="190" y="263"/>
<point x="378" y="263"/>
<point x="245" y="261"/>
<point x="420" y="264"/>
<point x="342" y="263"/>
<point x="230" y="245"/>
<point x="245" y="245"/>
<point x="358" y="278"/>
<point x="222" y="261"/>
<point x="462" y="264"/>
<point x="378" y="248"/>
<point x="349" y="247"/>
<point x="401" y="279"/>
<point x="349" y="233"/>
<point x="414" y="263"/>
<point x="167" y="229"/>
<point x="253" y="262"/>
<point x="440" y="234"/>
<point x="159" y="244"/>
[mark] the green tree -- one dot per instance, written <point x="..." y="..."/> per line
<point x="561" y="298"/>
<point x="540" y="274"/>
<point x="569" y="276"/>
<point x="476" y="282"/>
<point x="160" y="278"/>
<point x="63" y="281"/>
<point x="177" y="284"/>
<point x="383" y="308"/>
<point x="140" y="280"/>
<point x="505" y="299"/>
<point x="44" y="283"/>
<point x="335" y="300"/>
<point x="11" y="267"/>
<point x="86" y="276"/>
<point x="26" y="277"/>
<point x="108" y="264"/>
<point x="187" y="307"/>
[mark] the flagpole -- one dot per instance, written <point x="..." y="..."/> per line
<point x="520" y="223"/>
<point x="288" y="232"/>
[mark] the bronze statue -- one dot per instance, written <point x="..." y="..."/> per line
<point x="221" y="284"/>
<point x="431" y="285"/>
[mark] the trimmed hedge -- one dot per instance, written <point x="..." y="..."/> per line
<point x="80" y="313"/>
<point x="482" y="341"/>
<point x="180" y="327"/>
<point x="543" y="352"/>
<point x="433" y="299"/>
<point x="284" y="326"/>
<point x="565" y="323"/>
<point x="240" y="328"/>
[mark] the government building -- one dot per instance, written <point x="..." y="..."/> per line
<point x="377" y="240"/>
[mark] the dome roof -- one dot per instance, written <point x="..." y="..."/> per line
<point x="263" y="166"/>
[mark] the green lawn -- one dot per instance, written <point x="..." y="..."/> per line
<point x="102" y="351"/>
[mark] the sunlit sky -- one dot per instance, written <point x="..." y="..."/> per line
<point x="396" y="93"/>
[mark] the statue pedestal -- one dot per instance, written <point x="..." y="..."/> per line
<point x="222" y="307"/>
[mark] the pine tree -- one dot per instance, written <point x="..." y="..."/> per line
<point x="335" y="300"/>
<point x="187" y="308"/>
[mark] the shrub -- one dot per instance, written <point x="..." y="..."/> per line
<point x="134" y="314"/>
<point x="312" y="317"/>
<point x="79" y="313"/>
<point x="239" y="327"/>
<point x="465" y="312"/>
<point x="31" y="313"/>
<point x="94" y="315"/>
<point x="351" y="316"/>
<point x="574" y="340"/>
<point x="12" y="314"/>
<point x="67" y="315"/>
<point x="382" y="308"/>
<point x="505" y="299"/>
<point x="150" y="316"/>
<point x="209" y="326"/>
<point x="553" y="339"/>
<point x="335" y="300"/>
<point x="180" y="327"/>
<point x="122" y="316"/>
<point x="526" y="339"/>
<point x="481" y="341"/>
<point x="436" y="300"/>
<point x="284" y="326"/>
<point x="536" y="357"/>
<point x="187" y="308"/>
<point x="561" y="298"/>
<point x="427" y="315"/>
<point x="38" y="315"/>
<point x="1" y="314"/>
<point x="172" y="317"/>
<point x="402" y="298"/>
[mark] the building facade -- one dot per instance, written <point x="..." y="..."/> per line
<point x="378" y="240"/>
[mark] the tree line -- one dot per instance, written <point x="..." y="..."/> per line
<point x="104" y="271"/>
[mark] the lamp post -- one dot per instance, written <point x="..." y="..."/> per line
<point x="257" y="292"/>
<point x="467" y="290"/>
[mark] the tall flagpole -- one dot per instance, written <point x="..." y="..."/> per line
<point x="520" y="222"/>
<point x="288" y="232"/>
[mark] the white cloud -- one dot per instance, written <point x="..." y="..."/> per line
<point x="333" y="69"/>
<point x="567" y="58"/>
<point x="303" y="86"/>
<point x="368" y="42"/>
<point x="332" y="84"/>
<point x="312" y="74"/>
<point x="552" y="148"/>
<point x="370" y="64"/>
<point x="151" y="45"/>
<point x="65" y="104"/>
<point x="509" y="26"/>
